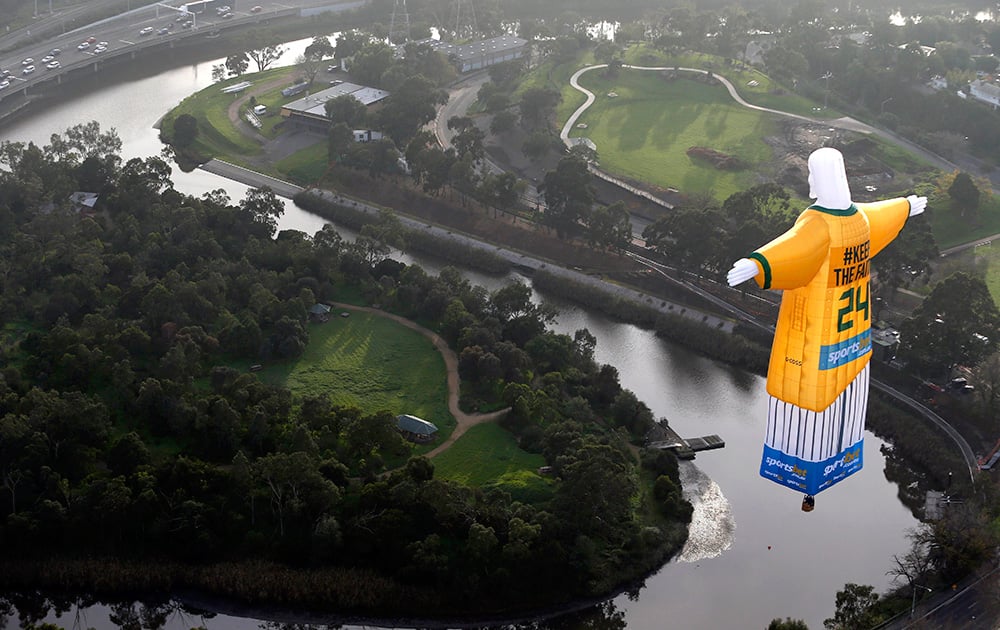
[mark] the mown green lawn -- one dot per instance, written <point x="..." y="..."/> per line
<point x="371" y="363"/>
<point x="950" y="229"/>
<point x="644" y="133"/>
<point x="217" y="136"/>
<point x="752" y="84"/>
<point x="488" y="455"/>
<point x="306" y="166"/>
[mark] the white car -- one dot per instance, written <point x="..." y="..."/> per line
<point x="48" y="58"/>
<point x="83" y="46"/>
<point x="27" y="62"/>
<point x="146" y="31"/>
<point x="4" y="84"/>
<point x="98" y="50"/>
<point x="52" y="65"/>
<point x="28" y="70"/>
<point x="102" y="45"/>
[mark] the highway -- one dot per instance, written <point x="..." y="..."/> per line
<point x="122" y="34"/>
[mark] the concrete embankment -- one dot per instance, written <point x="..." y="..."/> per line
<point x="251" y="178"/>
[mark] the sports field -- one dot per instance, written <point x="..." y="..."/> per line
<point x="645" y="131"/>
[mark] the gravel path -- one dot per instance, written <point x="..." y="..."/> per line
<point x="464" y="421"/>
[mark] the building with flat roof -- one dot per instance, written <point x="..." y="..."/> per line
<point x="985" y="92"/>
<point x="310" y="110"/>
<point x="481" y="54"/>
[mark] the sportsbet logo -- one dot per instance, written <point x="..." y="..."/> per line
<point x="838" y="354"/>
<point x="791" y="469"/>
<point x="848" y="458"/>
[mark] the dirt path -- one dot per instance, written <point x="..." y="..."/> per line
<point x="256" y="90"/>
<point x="464" y="421"/>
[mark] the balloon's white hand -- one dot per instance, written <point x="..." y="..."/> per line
<point x="917" y="204"/>
<point x="743" y="269"/>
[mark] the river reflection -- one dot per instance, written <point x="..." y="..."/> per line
<point x="752" y="555"/>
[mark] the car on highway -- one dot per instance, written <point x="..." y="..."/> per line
<point x="227" y="15"/>
<point x="102" y="44"/>
<point x="187" y="24"/>
<point x="83" y="46"/>
<point x="28" y="70"/>
<point x="224" y="9"/>
<point x="99" y="49"/>
<point x="47" y="58"/>
<point x="91" y="39"/>
<point x="146" y="31"/>
<point x="55" y="52"/>
<point x="52" y="65"/>
<point x="163" y="31"/>
<point x="27" y="62"/>
<point x="4" y="84"/>
<point x="6" y="73"/>
<point x="256" y="9"/>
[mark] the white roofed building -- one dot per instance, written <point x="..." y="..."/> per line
<point x="310" y="111"/>
<point x="481" y="54"/>
<point x="985" y="92"/>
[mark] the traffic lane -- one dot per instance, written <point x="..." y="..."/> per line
<point x="122" y="29"/>
<point x="125" y="32"/>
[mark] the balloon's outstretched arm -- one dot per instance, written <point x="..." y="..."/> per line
<point x="917" y="204"/>
<point x="743" y="269"/>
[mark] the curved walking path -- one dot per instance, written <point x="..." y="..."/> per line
<point x="574" y="82"/>
<point x="845" y="122"/>
<point x="463" y="421"/>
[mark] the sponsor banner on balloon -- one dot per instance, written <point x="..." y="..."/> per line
<point x="811" y="477"/>
<point x="838" y="354"/>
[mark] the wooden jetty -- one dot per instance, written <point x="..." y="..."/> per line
<point x="663" y="436"/>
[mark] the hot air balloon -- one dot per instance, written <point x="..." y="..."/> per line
<point x="817" y="379"/>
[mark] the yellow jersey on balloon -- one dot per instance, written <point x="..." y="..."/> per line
<point x="817" y="378"/>
<point x="822" y="339"/>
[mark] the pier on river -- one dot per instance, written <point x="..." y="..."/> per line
<point x="662" y="436"/>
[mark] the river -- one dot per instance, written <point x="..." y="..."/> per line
<point x="752" y="554"/>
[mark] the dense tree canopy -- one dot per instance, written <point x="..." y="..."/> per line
<point x="125" y="430"/>
<point x="956" y="324"/>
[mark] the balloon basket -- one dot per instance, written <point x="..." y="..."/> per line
<point x="808" y="503"/>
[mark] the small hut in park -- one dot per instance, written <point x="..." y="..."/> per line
<point x="416" y="429"/>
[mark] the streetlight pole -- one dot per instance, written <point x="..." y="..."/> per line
<point x="913" y="604"/>
<point x="826" y="97"/>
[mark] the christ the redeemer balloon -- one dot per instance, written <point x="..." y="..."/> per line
<point x="817" y="378"/>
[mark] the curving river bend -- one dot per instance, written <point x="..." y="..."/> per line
<point x="752" y="555"/>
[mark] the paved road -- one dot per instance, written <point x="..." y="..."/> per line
<point x="461" y="96"/>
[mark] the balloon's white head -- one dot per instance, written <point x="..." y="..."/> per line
<point x="828" y="179"/>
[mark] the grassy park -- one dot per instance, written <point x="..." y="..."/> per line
<point x="217" y="136"/>
<point x="372" y="363"/>
<point x="488" y="454"/>
<point x="645" y="131"/>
